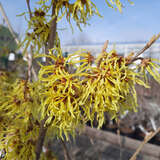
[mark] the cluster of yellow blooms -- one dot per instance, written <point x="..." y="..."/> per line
<point x="19" y="125"/>
<point x="73" y="98"/>
<point x="40" y="21"/>
<point x="67" y="96"/>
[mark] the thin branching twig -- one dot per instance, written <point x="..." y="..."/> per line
<point x="105" y="46"/>
<point x="31" y="70"/>
<point x="148" y="45"/>
<point x="66" y="152"/>
<point x="29" y="8"/>
<point x="147" y="138"/>
<point x="41" y="138"/>
<point x="51" y="40"/>
<point x="34" y="74"/>
<point x="29" y="61"/>
<point x="119" y="138"/>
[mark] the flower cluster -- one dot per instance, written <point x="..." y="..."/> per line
<point x="71" y="98"/>
<point x="70" y="92"/>
<point x="19" y="124"/>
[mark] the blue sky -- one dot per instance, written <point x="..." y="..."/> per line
<point x="138" y="22"/>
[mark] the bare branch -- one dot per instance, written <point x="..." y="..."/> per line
<point x="103" y="50"/>
<point x="133" y="60"/>
<point x="34" y="74"/>
<point x="51" y="40"/>
<point x="105" y="46"/>
<point x="53" y="30"/>
<point x="148" y="149"/>
<point x="31" y="70"/>
<point x="148" y="45"/>
<point x="40" y="140"/>
<point x="66" y="152"/>
<point x="147" y="138"/>
<point x="29" y="8"/>
<point x="29" y="61"/>
<point x="119" y="137"/>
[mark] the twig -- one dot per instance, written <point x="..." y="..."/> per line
<point x="128" y="143"/>
<point x="40" y="140"/>
<point x="53" y="29"/>
<point x="153" y="123"/>
<point x="34" y="74"/>
<point x="105" y="46"/>
<point x="29" y="8"/>
<point x="103" y="51"/>
<point x="31" y="69"/>
<point x="140" y="126"/>
<point x="29" y="61"/>
<point x="66" y="152"/>
<point x="135" y="59"/>
<point x="147" y="138"/>
<point x="148" y="45"/>
<point x="119" y="137"/>
<point x="51" y="40"/>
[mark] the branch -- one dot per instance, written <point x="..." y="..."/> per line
<point x="147" y="138"/>
<point x="103" y="50"/>
<point x="29" y="8"/>
<point x="119" y="137"/>
<point x="128" y="143"/>
<point x="53" y="29"/>
<point x="105" y="46"/>
<point x="133" y="60"/>
<point x="148" y="45"/>
<point x="51" y="40"/>
<point x="29" y="61"/>
<point x="34" y="74"/>
<point x="66" y="152"/>
<point x="40" y="140"/>
<point x="31" y="70"/>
